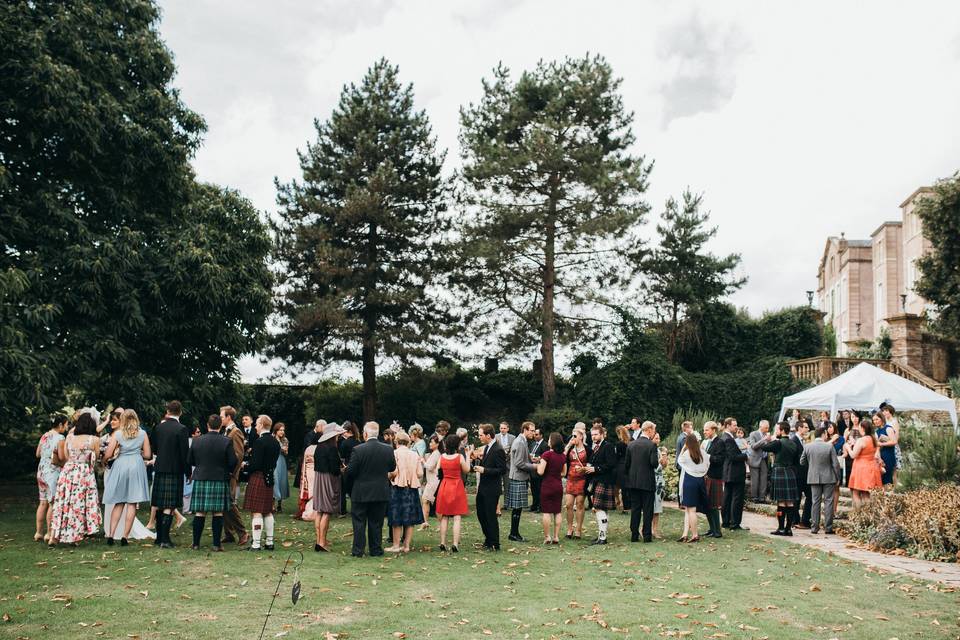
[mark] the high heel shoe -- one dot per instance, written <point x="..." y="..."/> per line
<point x="109" y="541"/>
<point x="123" y="542"/>
<point x="694" y="539"/>
<point x="443" y="547"/>
<point x="455" y="549"/>
<point x="682" y="539"/>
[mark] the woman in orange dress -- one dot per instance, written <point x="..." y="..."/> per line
<point x="452" y="495"/>
<point x="865" y="475"/>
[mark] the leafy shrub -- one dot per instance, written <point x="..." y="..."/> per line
<point x="697" y="416"/>
<point x="560" y="419"/>
<point x="931" y="457"/>
<point x="925" y="523"/>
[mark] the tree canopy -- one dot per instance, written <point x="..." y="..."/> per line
<point x="359" y="242"/>
<point x="553" y="201"/>
<point x="939" y="280"/>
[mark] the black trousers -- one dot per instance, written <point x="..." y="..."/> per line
<point x="732" y="512"/>
<point x="641" y="505"/>
<point x="368" y="522"/>
<point x="535" y="483"/>
<point x="487" y="515"/>
<point x="806" y="495"/>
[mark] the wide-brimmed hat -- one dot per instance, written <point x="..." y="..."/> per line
<point x="331" y="430"/>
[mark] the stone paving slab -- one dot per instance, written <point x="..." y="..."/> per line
<point x="947" y="573"/>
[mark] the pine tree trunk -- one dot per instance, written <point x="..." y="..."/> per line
<point x="369" y="356"/>
<point x="547" y="317"/>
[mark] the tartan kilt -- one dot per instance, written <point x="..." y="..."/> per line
<point x="258" y="497"/>
<point x="516" y="495"/>
<point x="714" y="493"/>
<point x="604" y="496"/>
<point x="784" y="484"/>
<point x="210" y="496"/>
<point x="167" y="490"/>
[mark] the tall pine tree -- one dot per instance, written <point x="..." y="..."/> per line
<point x="939" y="281"/>
<point x="554" y="200"/>
<point x="359" y="237"/>
<point x="679" y="274"/>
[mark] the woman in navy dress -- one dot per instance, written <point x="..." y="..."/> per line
<point x="887" y="439"/>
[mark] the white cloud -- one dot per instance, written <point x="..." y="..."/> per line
<point x="798" y="121"/>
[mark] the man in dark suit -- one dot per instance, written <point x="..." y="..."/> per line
<point x="639" y="467"/>
<point x="537" y="448"/>
<point x="170" y="443"/>
<point x="213" y="460"/>
<point x="369" y="465"/>
<point x="734" y="477"/>
<point x="799" y="436"/>
<point x="491" y="465"/>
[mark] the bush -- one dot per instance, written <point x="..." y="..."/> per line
<point x="924" y="523"/>
<point x="931" y="457"/>
<point x="560" y="419"/>
<point x="698" y="417"/>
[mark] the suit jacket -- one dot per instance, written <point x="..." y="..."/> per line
<point x="604" y="461"/>
<point x="510" y="440"/>
<point x="717" y="452"/>
<point x="538" y="448"/>
<point x="170" y="442"/>
<point x="494" y="463"/>
<point x="239" y="441"/>
<point x="641" y="464"/>
<point x="734" y="469"/>
<point x="266" y="451"/>
<point x="756" y="457"/>
<point x="520" y="465"/>
<point x="801" y="468"/>
<point x="367" y="471"/>
<point x="823" y="463"/>
<point x="212" y="457"/>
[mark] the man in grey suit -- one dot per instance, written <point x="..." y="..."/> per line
<point x="823" y="475"/>
<point x="759" y="469"/>
<point x="520" y="468"/>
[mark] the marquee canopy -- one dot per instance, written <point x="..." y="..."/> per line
<point x="865" y="387"/>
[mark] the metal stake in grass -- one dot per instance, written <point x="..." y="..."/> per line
<point x="294" y="592"/>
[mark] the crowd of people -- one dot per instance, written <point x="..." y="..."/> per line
<point x="404" y="478"/>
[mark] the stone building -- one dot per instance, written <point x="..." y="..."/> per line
<point x="865" y="287"/>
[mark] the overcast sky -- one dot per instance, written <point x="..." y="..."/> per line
<point x="798" y="121"/>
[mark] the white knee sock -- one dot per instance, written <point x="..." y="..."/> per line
<point x="257" y="526"/>
<point x="268" y="523"/>
<point x="602" y="524"/>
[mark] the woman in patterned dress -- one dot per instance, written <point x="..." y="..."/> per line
<point x="47" y="474"/>
<point x="430" y="465"/>
<point x="76" y="509"/>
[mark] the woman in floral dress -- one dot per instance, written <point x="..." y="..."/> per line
<point x="76" y="509"/>
<point x="47" y="475"/>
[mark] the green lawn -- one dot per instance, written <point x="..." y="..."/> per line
<point x="745" y="586"/>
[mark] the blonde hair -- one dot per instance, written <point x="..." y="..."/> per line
<point x="129" y="424"/>
<point x="402" y="437"/>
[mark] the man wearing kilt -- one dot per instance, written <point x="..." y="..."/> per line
<point x="258" y="499"/>
<point x="521" y="467"/>
<point x="213" y="459"/>
<point x="783" y="476"/>
<point x="602" y="470"/>
<point x="170" y="444"/>
<point x="714" y="479"/>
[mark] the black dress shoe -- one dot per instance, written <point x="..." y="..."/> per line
<point x="737" y="527"/>
<point x="598" y="541"/>
<point x="634" y="538"/>
<point x="515" y="538"/>
<point x="829" y="532"/>
<point x="648" y="540"/>
<point x="218" y="549"/>
<point x="778" y="532"/>
<point x="356" y="555"/>
<point x="268" y="547"/>
<point x="376" y="554"/>
<point x="443" y="547"/>
<point x="455" y="549"/>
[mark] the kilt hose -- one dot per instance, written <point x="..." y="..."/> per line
<point x="167" y="490"/>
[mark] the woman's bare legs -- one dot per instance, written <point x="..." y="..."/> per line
<point x="456" y="531"/>
<point x="568" y="506"/>
<point x="443" y="531"/>
<point x="580" y="500"/>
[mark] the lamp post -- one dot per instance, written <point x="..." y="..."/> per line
<point x="809" y="298"/>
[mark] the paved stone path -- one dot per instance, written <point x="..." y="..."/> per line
<point x="947" y="573"/>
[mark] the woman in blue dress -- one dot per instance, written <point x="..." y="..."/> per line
<point x="281" y="479"/>
<point x="126" y="484"/>
<point x="887" y="441"/>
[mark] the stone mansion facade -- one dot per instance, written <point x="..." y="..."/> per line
<point x="866" y="286"/>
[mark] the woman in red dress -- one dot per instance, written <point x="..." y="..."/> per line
<point x="552" y="466"/>
<point x="577" y="456"/>
<point x="452" y="495"/>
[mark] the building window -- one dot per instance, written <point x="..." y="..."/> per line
<point x="843" y="294"/>
<point x="881" y="315"/>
